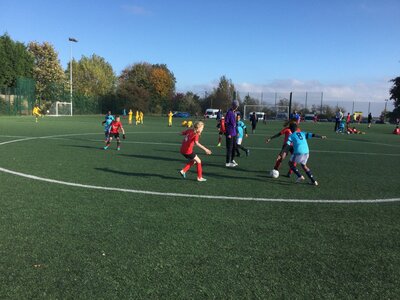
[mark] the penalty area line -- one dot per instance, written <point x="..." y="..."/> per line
<point x="211" y="197"/>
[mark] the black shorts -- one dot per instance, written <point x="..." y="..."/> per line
<point x="190" y="156"/>
<point x="286" y="150"/>
<point x="114" y="135"/>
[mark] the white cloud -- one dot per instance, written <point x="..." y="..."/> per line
<point x="360" y="93"/>
<point x="375" y="91"/>
<point x="136" y="10"/>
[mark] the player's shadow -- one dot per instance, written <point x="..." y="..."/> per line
<point x="141" y="156"/>
<point x="201" y="154"/>
<point x="277" y="181"/>
<point x="85" y="146"/>
<point x="136" y="174"/>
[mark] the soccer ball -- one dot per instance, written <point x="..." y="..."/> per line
<point x="274" y="173"/>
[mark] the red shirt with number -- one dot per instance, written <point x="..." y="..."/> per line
<point x="115" y="126"/>
<point x="188" y="142"/>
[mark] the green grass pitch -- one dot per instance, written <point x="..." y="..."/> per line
<point x="151" y="234"/>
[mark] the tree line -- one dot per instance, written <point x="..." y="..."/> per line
<point x="143" y="86"/>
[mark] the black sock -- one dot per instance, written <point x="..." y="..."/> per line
<point x="310" y="175"/>
<point x="296" y="171"/>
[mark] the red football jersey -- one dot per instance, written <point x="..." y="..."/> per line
<point x="287" y="132"/>
<point x="188" y="142"/>
<point x="115" y="126"/>
<point x="222" y="126"/>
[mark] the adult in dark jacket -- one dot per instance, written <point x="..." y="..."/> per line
<point x="230" y="127"/>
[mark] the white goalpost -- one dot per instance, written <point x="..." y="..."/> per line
<point x="272" y="112"/>
<point x="60" y="109"/>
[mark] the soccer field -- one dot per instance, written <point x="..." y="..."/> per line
<point x="81" y="222"/>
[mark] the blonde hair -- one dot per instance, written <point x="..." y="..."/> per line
<point x="197" y="125"/>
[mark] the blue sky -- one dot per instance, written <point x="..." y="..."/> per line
<point x="346" y="49"/>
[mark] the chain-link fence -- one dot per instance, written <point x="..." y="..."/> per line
<point x="18" y="100"/>
<point x="317" y="102"/>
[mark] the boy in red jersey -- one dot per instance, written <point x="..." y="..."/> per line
<point x="115" y="126"/>
<point x="221" y="128"/>
<point x="287" y="131"/>
<point x="192" y="138"/>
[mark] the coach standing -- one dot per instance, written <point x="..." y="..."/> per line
<point x="230" y="125"/>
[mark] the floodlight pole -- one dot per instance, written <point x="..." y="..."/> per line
<point x="384" y="114"/>
<point x="70" y="69"/>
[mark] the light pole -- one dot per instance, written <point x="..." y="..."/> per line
<point x="384" y="116"/>
<point x="72" y="40"/>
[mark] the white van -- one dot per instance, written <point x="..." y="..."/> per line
<point x="211" y="113"/>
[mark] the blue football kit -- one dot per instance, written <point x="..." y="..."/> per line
<point x="299" y="140"/>
<point x="240" y="126"/>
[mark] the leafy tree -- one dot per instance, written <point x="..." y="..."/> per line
<point x="153" y="86"/>
<point x="47" y="70"/>
<point x="395" y="96"/>
<point x="92" y="76"/>
<point x="15" y="61"/>
<point x="248" y="100"/>
<point x="162" y="81"/>
<point x="223" y="94"/>
<point x="189" y="102"/>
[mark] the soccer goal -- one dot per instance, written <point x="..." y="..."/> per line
<point x="60" y="109"/>
<point x="271" y="112"/>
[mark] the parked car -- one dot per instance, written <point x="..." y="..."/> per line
<point x="211" y="113"/>
<point x="309" y="117"/>
<point x="180" y="114"/>
<point x="259" y="114"/>
<point x="282" y="116"/>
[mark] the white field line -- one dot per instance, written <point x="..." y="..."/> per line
<point x="255" y="148"/>
<point x="214" y="197"/>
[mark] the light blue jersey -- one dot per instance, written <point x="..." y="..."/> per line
<point x="107" y="124"/>
<point x="240" y="126"/>
<point x="299" y="140"/>
<point x="110" y="117"/>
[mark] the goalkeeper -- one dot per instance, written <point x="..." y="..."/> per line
<point x="115" y="127"/>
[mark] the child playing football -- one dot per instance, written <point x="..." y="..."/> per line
<point x="137" y="117"/>
<point x="130" y="115"/>
<point x="36" y="112"/>
<point x="114" y="132"/>
<point x="191" y="139"/>
<point x="170" y="114"/>
<point x="287" y="131"/>
<point x="221" y="127"/>
<point x="241" y="131"/>
<point x="301" y="152"/>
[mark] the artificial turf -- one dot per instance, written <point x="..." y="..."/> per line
<point x="60" y="241"/>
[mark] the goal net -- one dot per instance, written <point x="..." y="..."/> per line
<point x="271" y="112"/>
<point x="60" y="109"/>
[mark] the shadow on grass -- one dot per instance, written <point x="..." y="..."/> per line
<point x="86" y="146"/>
<point x="201" y="154"/>
<point x="140" y="156"/>
<point x="137" y="174"/>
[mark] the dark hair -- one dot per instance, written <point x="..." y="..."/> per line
<point x="292" y="127"/>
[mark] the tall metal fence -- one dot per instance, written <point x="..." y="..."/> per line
<point x="21" y="99"/>
<point x="317" y="102"/>
<point x="18" y="100"/>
